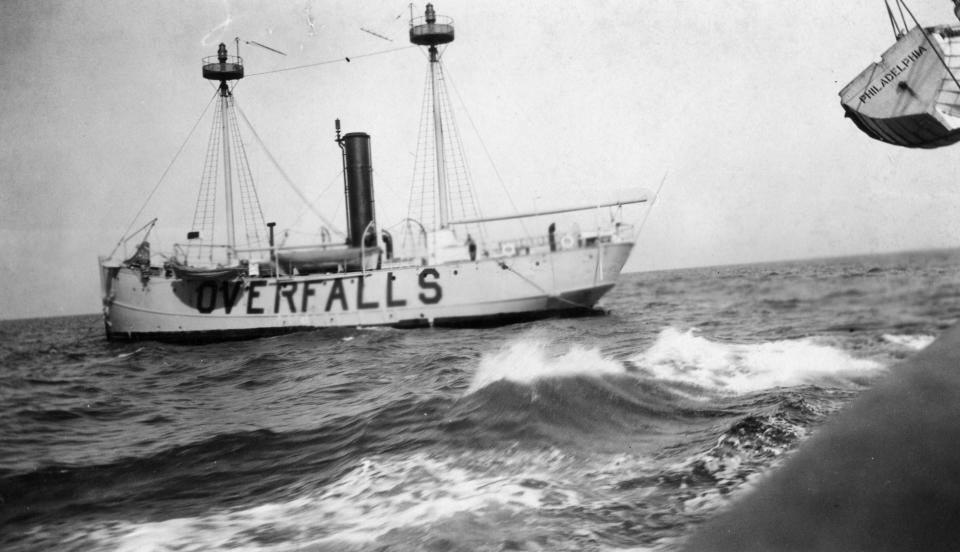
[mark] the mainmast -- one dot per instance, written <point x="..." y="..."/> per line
<point x="426" y="31"/>
<point x="226" y="68"/>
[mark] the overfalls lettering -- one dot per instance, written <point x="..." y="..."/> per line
<point x="293" y="296"/>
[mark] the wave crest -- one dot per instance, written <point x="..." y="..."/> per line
<point x="527" y="361"/>
<point x="912" y="342"/>
<point x="743" y="368"/>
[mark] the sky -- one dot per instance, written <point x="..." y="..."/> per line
<point x="733" y="104"/>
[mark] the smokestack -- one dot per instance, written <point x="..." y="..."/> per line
<point x="359" y="176"/>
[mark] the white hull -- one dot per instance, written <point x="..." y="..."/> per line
<point x="910" y="97"/>
<point x="455" y="293"/>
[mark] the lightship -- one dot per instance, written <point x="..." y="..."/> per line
<point x="438" y="268"/>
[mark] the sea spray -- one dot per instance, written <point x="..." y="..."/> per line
<point x="388" y="494"/>
<point x="685" y="357"/>
<point x="525" y="361"/>
<point x="911" y="342"/>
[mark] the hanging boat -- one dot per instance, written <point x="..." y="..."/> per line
<point x="441" y="267"/>
<point x="911" y="96"/>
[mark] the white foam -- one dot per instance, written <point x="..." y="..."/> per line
<point x="382" y="494"/>
<point x="913" y="342"/>
<point x="527" y="360"/>
<point x="741" y="368"/>
<point x="130" y="354"/>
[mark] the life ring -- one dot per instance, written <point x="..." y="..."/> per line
<point x="509" y="249"/>
<point x="567" y="241"/>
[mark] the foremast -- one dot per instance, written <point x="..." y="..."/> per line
<point x="432" y="31"/>
<point x="438" y="136"/>
<point x="225" y="68"/>
<point x="227" y="183"/>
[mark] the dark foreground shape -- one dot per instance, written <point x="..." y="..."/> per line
<point x="884" y="475"/>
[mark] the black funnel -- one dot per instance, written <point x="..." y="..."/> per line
<point x="359" y="175"/>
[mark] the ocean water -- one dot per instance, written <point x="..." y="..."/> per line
<point x="618" y="432"/>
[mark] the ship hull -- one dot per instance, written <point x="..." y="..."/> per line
<point x="464" y="293"/>
<point x="909" y="98"/>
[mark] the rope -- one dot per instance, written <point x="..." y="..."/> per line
<point x="487" y="153"/>
<point x="893" y="22"/>
<point x="345" y="59"/>
<point x="164" y="175"/>
<point x="337" y="177"/>
<point x="284" y="174"/>
<point x="903" y="20"/>
<point x="504" y="266"/>
<point x="932" y="46"/>
<point x="655" y="198"/>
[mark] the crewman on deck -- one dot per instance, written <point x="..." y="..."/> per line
<point x="472" y="248"/>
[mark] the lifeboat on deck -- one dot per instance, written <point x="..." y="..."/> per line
<point x="313" y="260"/>
<point x="214" y="274"/>
<point x="911" y="97"/>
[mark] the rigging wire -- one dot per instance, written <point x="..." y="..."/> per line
<point x="204" y="213"/>
<point x="164" y="175"/>
<point x="487" y="152"/>
<point x="345" y="59"/>
<point x="248" y="191"/>
<point x="903" y="18"/>
<point x="337" y="178"/>
<point x="897" y="32"/>
<point x="284" y="174"/>
<point x="930" y="42"/>
<point x="901" y="6"/>
<point x="422" y="159"/>
<point x="541" y="289"/>
<point x="652" y="202"/>
<point x="387" y="187"/>
<point x="459" y="181"/>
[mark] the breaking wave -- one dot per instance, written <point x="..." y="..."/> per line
<point x="396" y="497"/>
<point x="912" y="342"/>
<point x="685" y="357"/>
<point x="528" y="361"/>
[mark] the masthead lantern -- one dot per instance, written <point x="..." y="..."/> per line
<point x="222" y="67"/>
<point x="431" y="30"/>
